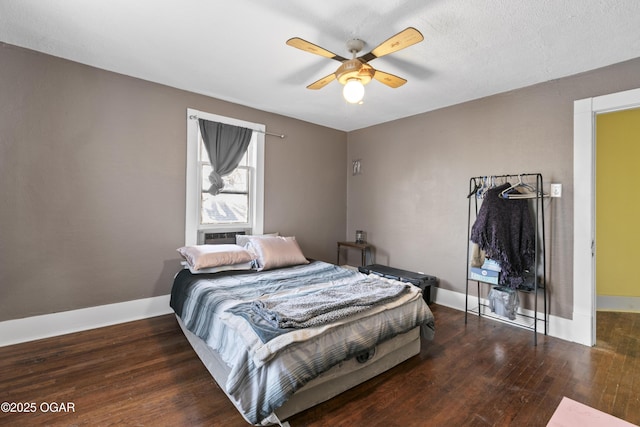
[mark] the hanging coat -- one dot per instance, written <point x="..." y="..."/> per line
<point x="505" y="232"/>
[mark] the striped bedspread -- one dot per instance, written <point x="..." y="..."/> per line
<point x="265" y="374"/>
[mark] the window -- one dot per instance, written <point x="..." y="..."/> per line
<point x="239" y="206"/>
<point x="231" y="205"/>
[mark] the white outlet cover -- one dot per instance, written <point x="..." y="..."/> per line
<point x="556" y="190"/>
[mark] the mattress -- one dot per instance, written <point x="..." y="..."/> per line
<point x="272" y="372"/>
<point x="338" y="379"/>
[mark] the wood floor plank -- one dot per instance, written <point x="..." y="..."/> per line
<point x="484" y="373"/>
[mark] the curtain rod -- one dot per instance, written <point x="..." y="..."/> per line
<point x="281" y="136"/>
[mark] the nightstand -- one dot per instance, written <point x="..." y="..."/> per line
<point x="364" y="248"/>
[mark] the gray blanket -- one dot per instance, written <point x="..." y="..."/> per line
<point x="258" y="389"/>
<point x="327" y="304"/>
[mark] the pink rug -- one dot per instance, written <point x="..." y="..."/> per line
<point x="570" y="413"/>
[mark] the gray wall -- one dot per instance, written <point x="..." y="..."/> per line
<point x="92" y="183"/>
<point x="411" y="195"/>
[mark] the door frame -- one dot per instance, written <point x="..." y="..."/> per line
<point x="584" y="198"/>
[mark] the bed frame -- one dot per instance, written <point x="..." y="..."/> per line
<point x="338" y="379"/>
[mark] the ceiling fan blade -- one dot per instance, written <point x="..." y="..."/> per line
<point x="389" y="79"/>
<point x="403" y="39"/>
<point x="322" y="82"/>
<point x="301" y="44"/>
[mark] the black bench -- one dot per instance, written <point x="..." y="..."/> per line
<point x="423" y="281"/>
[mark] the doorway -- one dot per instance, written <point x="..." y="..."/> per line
<point x="584" y="289"/>
<point x="617" y="151"/>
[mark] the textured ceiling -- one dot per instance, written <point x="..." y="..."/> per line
<point x="235" y="50"/>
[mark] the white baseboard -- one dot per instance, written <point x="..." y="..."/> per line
<point x="615" y="303"/>
<point x="51" y="325"/>
<point x="557" y="327"/>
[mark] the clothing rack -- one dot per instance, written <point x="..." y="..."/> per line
<point x="535" y="195"/>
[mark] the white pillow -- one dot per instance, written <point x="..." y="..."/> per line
<point x="276" y="251"/>
<point x="243" y="239"/>
<point x="208" y="270"/>
<point x="207" y="256"/>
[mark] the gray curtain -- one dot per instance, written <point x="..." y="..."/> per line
<point x="225" y="144"/>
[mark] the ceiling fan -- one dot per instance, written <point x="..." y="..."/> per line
<point x="356" y="72"/>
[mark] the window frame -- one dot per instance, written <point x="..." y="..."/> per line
<point x="194" y="231"/>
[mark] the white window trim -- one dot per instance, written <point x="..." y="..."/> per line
<point x="192" y="215"/>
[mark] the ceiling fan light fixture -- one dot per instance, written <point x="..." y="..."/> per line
<point x="353" y="91"/>
<point x="353" y="68"/>
<point x="356" y="72"/>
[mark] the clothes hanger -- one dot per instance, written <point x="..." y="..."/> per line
<point x="510" y="193"/>
<point x="475" y="189"/>
<point x="483" y="189"/>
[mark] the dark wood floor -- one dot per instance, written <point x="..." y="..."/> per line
<point x="482" y="374"/>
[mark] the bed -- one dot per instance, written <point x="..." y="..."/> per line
<point x="284" y="335"/>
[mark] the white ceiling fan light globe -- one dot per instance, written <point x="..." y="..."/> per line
<point x="353" y="91"/>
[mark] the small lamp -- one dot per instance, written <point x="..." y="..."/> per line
<point x="353" y="91"/>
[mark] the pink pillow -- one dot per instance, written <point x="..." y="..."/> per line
<point x="207" y="256"/>
<point x="220" y="268"/>
<point x="276" y="251"/>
